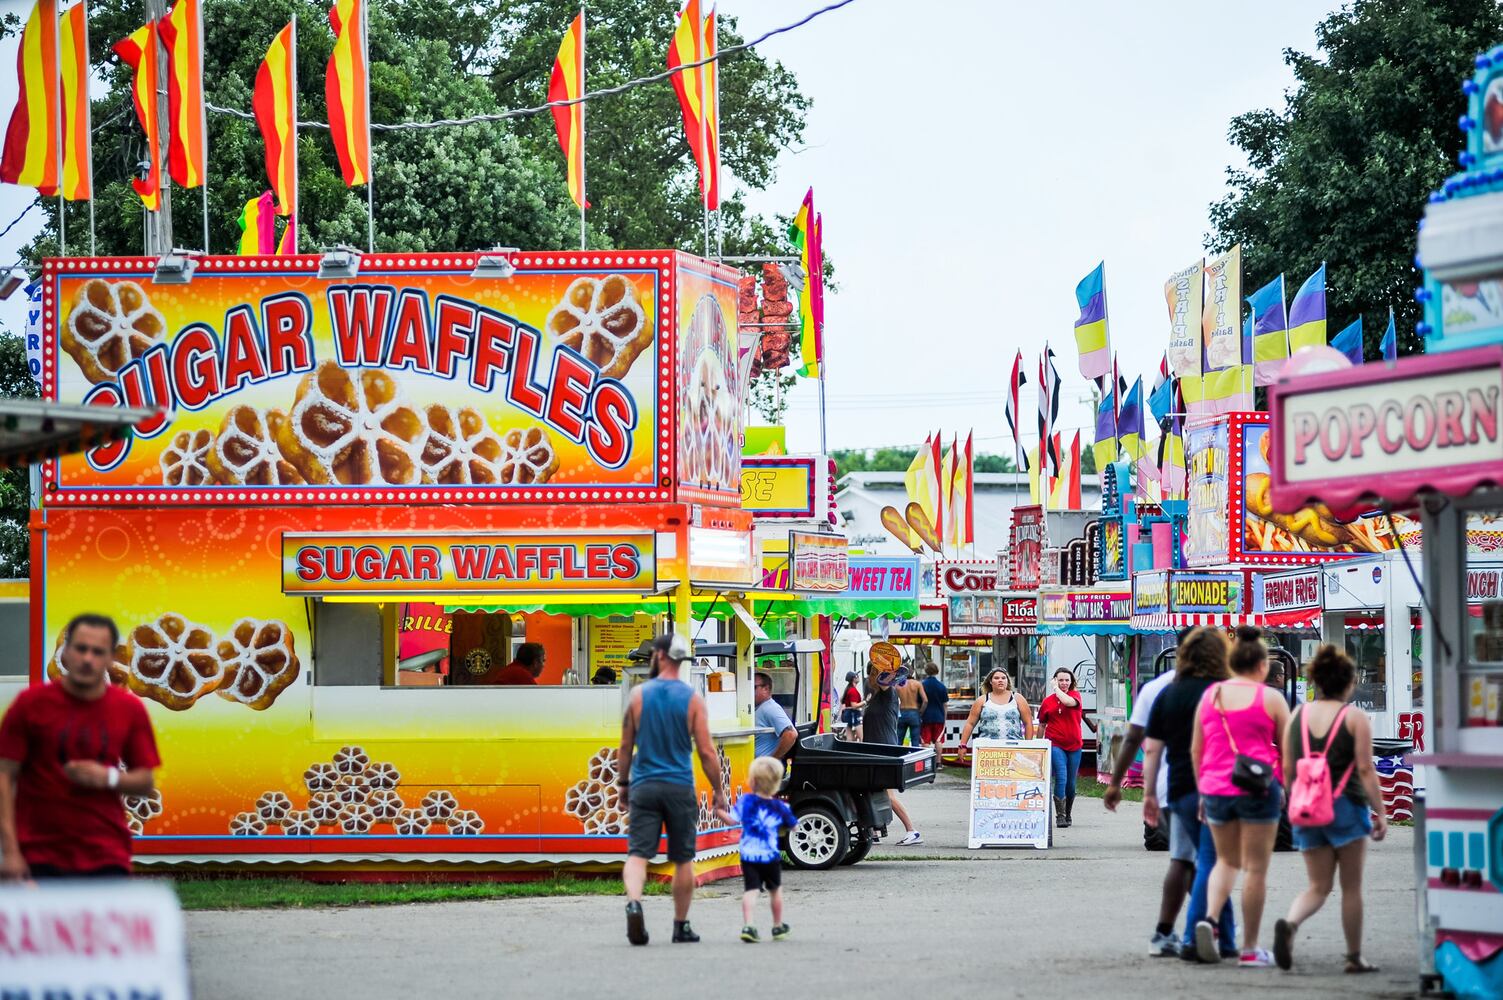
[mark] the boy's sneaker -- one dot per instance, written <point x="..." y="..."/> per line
<point x="781" y="931"/>
<point x="1207" y="942"/>
<point x="1256" y="958"/>
<point x="1163" y="945"/>
<point x="911" y="838"/>
<point x="683" y="933"/>
<point x="749" y="934"/>
<point x="636" y="924"/>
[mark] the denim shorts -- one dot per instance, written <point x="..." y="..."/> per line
<point x="1182" y="837"/>
<point x="1222" y="809"/>
<point x="851" y="716"/>
<point x="1351" y="822"/>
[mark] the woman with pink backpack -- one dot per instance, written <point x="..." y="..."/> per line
<point x="1328" y="768"/>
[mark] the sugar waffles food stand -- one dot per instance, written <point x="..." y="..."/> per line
<point x="486" y="450"/>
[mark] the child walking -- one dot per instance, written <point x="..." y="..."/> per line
<point x="762" y="816"/>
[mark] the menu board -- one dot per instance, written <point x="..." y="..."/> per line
<point x="611" y="639"/>
<point x="1009" y="794"/>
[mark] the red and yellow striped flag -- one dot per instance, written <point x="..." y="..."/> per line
<point x="29" y="157"/>
<point x="686" y="49"/>
<point x="711" y="70"/>
<point x="73" y="60"/>
<point x="346" y="87"/>
<point x="567" y="84"/>
<point x="139" y="52"/>
<point x="288" y="246"/>
<point x="188" y="151"/>
<point x="275" y="104"/>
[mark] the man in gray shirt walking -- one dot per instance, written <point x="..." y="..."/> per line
<point x="664" y="717"/>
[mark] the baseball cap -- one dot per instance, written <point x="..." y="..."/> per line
<point x="674" y="646"/>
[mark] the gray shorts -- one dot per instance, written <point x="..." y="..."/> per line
<point x="1182" y="846"/>
<point x="656" y="805"/>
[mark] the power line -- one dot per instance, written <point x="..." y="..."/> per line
<point x="13" y="223"/>
<point x="586" y="97"/>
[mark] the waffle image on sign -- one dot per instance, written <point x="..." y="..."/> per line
<point x="352" y="428"/>
<point x="460" y="448"/>
<point x="325" y="808"/>
<point x="185" y="460"/>
<point x="273" y="806"/>
<point x="465" y="823"/>
<point x="246" y="452"/>
<point x="383" y="775"/>
<point x="351" y="760"/>
<point x="247" y="824"/>
<point x="412" y="822"/>
<point x="385" y="805"/>
<point x="439" y="804"/>
<point x="144" y="808"/>
<point x="321" y="777"/>
<point x="259" y="662"/>
<point x="173" y="662"/>
<point x="356" y="818"/>
<point x="118" y="670"/>
<point x="110" y="325"/>
<point x="299" y="823"/>
<point x="527" y="456"/>
<point x="601" y="319"/>
<point x="352" y="789"/>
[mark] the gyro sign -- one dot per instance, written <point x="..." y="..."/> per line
<point x="1382" y="433"/>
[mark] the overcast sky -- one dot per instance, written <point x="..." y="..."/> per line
<point x="973" y="160"/>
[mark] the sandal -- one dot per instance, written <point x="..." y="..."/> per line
<point x="1283" y="944"/>
<point x="1355" y="965"/>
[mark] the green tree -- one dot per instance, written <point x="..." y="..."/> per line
<point x="1342" y="173"/>
<point x="898" y="460"/>
<point x="15" y="491"/>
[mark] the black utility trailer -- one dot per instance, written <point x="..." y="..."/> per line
<point x="838" y="791"/>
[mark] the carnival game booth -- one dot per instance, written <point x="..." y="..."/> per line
<point x="538" y="447"/>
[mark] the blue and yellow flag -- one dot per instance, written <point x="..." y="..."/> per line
<point x="1090" y="329"/>
<point x="1270" y="331"/>
<point x="1307" y="313"/>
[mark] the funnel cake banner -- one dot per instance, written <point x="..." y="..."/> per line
<point x="413" y="381"/>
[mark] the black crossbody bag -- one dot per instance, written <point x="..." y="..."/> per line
<point x="1248" y="773"/>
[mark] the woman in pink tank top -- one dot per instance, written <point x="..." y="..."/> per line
<point x="1242" y="716"/>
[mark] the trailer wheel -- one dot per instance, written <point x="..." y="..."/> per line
<point x="860" y="847"/>
<point x="818" y="841"/>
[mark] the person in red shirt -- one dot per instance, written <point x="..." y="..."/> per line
<point x="526" y="668"/>
<point x="1061" y="715"/>
<point x="62" y="749"/>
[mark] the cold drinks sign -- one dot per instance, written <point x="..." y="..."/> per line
<point x="1382" y="433"/>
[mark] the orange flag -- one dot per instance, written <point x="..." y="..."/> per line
<point x="188" y="148"/>
<point x="274" y="101"/>
<point x="73" y="61"/>
<point x="686" y="49"/>
<point x="29" y="156"/>
<point x="567" y="84"/>
<point x="347" y="89"/>
<point x="711" y="75"/>
<point x="139" y="52"/>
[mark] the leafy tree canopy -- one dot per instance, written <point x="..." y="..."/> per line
<point x="1342" y="173"/>
<point x="898" y="460"/>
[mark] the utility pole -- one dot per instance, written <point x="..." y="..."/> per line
<point x="162" y="229"/>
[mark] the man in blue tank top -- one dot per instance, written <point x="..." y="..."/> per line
<point x="665" y="723"/>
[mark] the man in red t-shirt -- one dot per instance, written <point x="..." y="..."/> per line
<point x="526" y="668"/>
<point x="62" y="749"/>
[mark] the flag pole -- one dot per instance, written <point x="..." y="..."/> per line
<point x="583" y="108"/>
<point x="704" y="166"/>
<point x="719" y="212"/>
<point x="292" y="106"/>
<point x="89" y="131"/>
<point x="57" y="104"/>
<point x="203" y="126"/>
<point x="370" y="146"/>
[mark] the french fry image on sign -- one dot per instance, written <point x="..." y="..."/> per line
<point x="919" y="521"/>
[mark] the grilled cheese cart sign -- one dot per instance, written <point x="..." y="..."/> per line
<point x="326" y="564"/>
<point x="1355" y="436"/>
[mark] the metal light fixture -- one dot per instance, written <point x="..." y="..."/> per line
<point x="794" y="275"/>
<point x="339" y="262"/>
<point x="14" y="279"/>
<point x="175" y="268"/>
<point x="495" y="263"/>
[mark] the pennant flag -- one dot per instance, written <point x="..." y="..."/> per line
<point x="347" y="91"/>
<point x="1105" y="446"/>
<point x="923" y="483"/>
<point x="947" y="468"/>
<point x="935" y="487"/>
<point x="1270" y="331"/>
<point x="1185" y="294"/>
<point x="1130" y="422"/>
<point x="1048" y="411"/>
<point x="965" y="494"/>
<point x="1066" y="495"/>
<point x="711" y="71"/>
<point x="188" y="141"/>
<point x="1172" y="461"/>
<point x="806" y="232"/>
<point x="73" y="61"/>
<point x="139" y="52"/>
<point x="1072" y="491"/>
<point x="256" y="226"/>
<point x="567" y="84"/>
<point x="686" y="49"/>
<point x="29" y="157"/>
<point x="1014" y="384"/>
<point x="1390" y="340"/>
<point x="288" y="246"/>
<point x="275" y="104"/>
<point x="1161" y="400"/>
<point x="1307" y="313"/>
<point x="1349" y="342"/>
<point x="1034" y="468"/>
<point x="1090" y="329"/>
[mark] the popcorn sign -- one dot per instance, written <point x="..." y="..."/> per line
<point x="580" y="377"/>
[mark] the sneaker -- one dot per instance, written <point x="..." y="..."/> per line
<point x="1207" y="942"/>
<point x="683" y="933"/>
<point x="1283" y="944"/>
<point x="781" y="931"/>
<point x="911" y="838"/>
<point x="1163" y="945"/>
<point x="1187" y="953"/>
<point x="1257" y="958"/>
<point x="749" y="934"/>
<point x="636" y="924"/>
